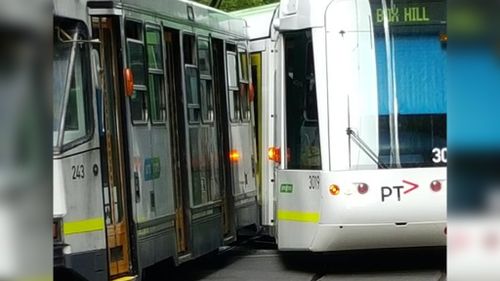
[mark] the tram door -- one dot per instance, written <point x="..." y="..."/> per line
<point x="223" y="128"/>
<point x="112" y="136"/>
<point x="174" y="89"/>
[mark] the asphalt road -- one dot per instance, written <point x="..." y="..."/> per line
<point x="259" y="260"/>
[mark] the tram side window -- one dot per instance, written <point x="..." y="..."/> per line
<point x="192" y="92"/>
<point x="136" y="62"/>
<point x="234" y="92"/>
<point x="158" y="108"/>
<point x="189" y="48"/>
<point x="78" y="122"/>
<point x="206" y="89"/>
<point x="244" y="87"/>
<point x="192" y="79"/>
<point x="302" y="130"/>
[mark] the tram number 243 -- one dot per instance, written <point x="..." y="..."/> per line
<point x="78" y="172"/>
<point x="440" y="155"/>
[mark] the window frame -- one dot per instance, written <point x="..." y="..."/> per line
<point x="159" y="72"/>
<point x="88" y="95"/>
<point x="189" y="105"/>
<point x="138" y="87"/>
<point x="245" y="118"/>
<point x="231" y="89"/>
<point x="309" y="46"/>
<point x="208" y="79"/>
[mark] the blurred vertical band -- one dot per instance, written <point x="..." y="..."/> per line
<point x="474" y="140"/>
<point x="25" y="110"/>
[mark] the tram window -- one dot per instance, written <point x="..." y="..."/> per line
<point x="189" y="49"/>
<point x="231" y="69"/>
<point x="302" y="130"/>
<point x="155" y="70"/>
<point x="204" y="57"/>
<point x="244" y="88"/>
<point x="78" y="124"/>
<point x="192" y="92"/>
<point x="137" y="106"/>
<point x="207" y="103"/>
<point x="133" y="30"/>
<point x="234" y="91"/>
<point x="136" y="61"/>
<point x="155" y="56"/>
<point x="206" y="90"/>
<point x="243" y="67"/>
<point x="245" y="103"/>
<point x="310" y="106"/>
<point x="156" y="90"/>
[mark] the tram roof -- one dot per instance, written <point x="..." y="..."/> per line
<point x="177" y="10"/>
<point x="301" y="14"/>
<point x="258" y="19"/>
<point x="74" y="9"/>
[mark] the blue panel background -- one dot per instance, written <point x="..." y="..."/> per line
<point x="420" y="74"/>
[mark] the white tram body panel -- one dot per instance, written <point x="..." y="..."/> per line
<point x="262" y="50"/>
<point x="78" y="212"/>
<point x="400" y="207"/>
<point x="391" y="214"/>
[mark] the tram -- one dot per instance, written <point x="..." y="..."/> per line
<point x="356" y="159"/>
<point x="154" y="153"/>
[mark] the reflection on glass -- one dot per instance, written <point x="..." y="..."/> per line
<point x="204" y="57"/>
<point x="153" y="40"/>
<point x="302" y="134"/>
<point x="411" y="63"/>
<point x="75" y="126"/>
<point x="136" y="61"/>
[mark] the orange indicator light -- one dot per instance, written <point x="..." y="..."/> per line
<point x="274" y="154"/>
<point x="234" y="155"/>
<point x="334" y="189"/>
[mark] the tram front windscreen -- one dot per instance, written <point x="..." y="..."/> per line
<point x="411" y="64"/>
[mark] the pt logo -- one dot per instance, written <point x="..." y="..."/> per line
<point x="388" y="191"/>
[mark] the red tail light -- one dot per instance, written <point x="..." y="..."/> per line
<point x="436" y="186"/>
<point x="362" y="188"/>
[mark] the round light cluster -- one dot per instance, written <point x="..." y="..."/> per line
<point x="436" y="185"/>
<point x="362" y="188"/>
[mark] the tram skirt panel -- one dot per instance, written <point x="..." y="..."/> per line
<point x="298" y="208"/>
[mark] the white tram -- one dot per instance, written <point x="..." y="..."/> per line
<point x="154" y="156"/>
<point x="343" y="173"/>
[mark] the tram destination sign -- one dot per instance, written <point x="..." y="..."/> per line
<point x="408" y="13"/>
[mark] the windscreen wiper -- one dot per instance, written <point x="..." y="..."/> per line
<point x="366" y="149"/>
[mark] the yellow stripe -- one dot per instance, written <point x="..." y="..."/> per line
<point x="285" y="215"/>
<point x="90" y="225"/>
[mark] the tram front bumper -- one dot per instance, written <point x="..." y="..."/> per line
<point x="334" y="237"/>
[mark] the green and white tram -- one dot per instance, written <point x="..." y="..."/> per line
<point x="343" y="174"/>
<point x="154" y="156"/>
<point x="78" y="227"/>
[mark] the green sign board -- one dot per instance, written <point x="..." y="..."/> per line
<point x="152" y="168"/>
<point x="286" y="188"/>
<point x="404" y="13"/>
